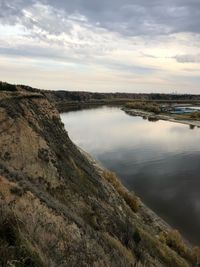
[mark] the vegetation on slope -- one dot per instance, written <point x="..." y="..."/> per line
<point x="7" y="87"/>
<point x="57" y="209"/>
<point x="146" y="106"/>
<point x="195" y="115"/>
<point x="130" y="198"/>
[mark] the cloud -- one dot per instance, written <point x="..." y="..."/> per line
<point x="128" y="17"/>
<point x="139" y="40"/>
<point x="188" y="58"/>
<point x="138" y="17"/>
<point x="11" y="10"/>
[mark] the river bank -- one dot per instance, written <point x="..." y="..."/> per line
<point x="128" y="169"/>
<point x="56" y="210"/>
<point x="148" y="215"/>
<point x="153" y="117"/>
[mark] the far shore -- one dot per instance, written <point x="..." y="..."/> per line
<point x="153" y="116"/>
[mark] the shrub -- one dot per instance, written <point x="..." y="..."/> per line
<point x="195" y="115"/>
<point x="196" y="255"/>
<point x="17" y="191"/>
<point x="7" y="87"/>
<point x="43" y="154"/>
<point x="7" y="156"/>
<point x="137" y="237"/>
<point x="123" y="250"/>
<point x="14" y="249"/>
<point x="155" y="247"/>
<point x="174" y="240"/>
<point x="130" y="198"/>
<point x="150" y="107"/>
<point x="7" y="235"/>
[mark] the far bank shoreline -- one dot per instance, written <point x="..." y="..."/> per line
<point x="154" y="117"/>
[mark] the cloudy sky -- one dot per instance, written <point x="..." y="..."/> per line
<point x="101" y="45"/>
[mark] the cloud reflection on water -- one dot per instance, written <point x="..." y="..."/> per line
<point x="159" y="160"/>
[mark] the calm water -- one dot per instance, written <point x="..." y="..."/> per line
<point x="160" y="161"/>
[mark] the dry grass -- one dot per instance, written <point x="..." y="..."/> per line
<point x="166" y="255"/>
<point x="124" y="251"/>
<point x="174" y="240"/>
<point x="130" y="198"/>
<point x="14" y="251"/>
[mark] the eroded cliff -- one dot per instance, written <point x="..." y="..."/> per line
<point x="57" y="209"/>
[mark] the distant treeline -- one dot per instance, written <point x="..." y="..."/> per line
<point x="88" y="96"/>
<point x="82" y="96"/>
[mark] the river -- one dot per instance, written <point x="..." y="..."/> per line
<point x="160" y="160"/>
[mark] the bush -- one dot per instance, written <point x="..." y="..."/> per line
<point x="43" y="154"/>
<point x="130" y="198"/>
<point x="14" y="250"/>
<point x="17" y="191"/>
<point x="196" y="255"/>
<point x="150" y="107"/>
<point x="7" y="235"/>
<point x="174" y="240"/>
<point x="7" y="156"/>
<point x="137" y="237"/>
<point x="7" y="87"/>
<point x="195" y="115"/>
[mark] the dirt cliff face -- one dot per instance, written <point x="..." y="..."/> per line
<point x="57" y="209"/>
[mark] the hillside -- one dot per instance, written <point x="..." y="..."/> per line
<point x="58" y="209"/>
<point x="67" y="100"/>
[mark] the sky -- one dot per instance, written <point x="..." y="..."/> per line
<point x="101" y="45"/>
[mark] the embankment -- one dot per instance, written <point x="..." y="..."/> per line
<point x="58" y="209"/>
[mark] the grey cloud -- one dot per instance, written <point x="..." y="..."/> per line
<point x="128" y="17"/>
<point x="11" y="10"/>
<point x="134" y="17"/>
<point x="49" y="53"/>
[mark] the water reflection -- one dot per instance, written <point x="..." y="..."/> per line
<point x="159" y="160"/>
